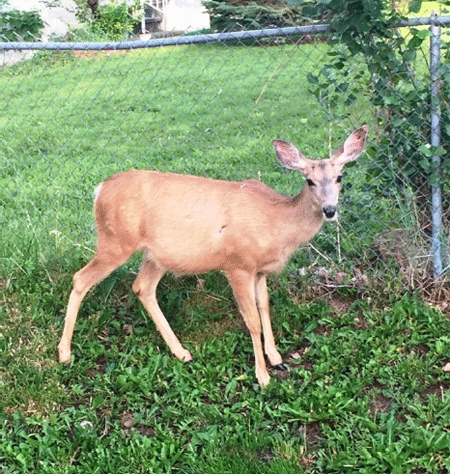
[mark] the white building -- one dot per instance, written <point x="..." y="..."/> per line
<point x="174" y="15"/>
<point x="56" y="20"/>
<point x="161" y="15"/>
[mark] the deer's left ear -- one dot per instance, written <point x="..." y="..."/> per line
<point x="353" y="146"/>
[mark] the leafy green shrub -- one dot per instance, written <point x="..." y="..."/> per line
<point x="231" y="15"/>
<point x="17" y="25"/>
<point x="116" y="20"/>
<point x="401" y="99"/>
<point x="391" y="66"/>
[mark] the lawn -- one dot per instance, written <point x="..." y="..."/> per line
<point x="364" y="392"/>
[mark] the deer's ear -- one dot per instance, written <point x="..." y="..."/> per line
<point x="353" y="146"/>
<point x="289" y="156"/>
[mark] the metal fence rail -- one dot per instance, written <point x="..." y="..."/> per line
<point x="170" y="41"/>
<point x="405" y="248"/>
<point x="199" y="39"/>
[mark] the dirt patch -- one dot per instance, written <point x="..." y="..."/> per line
<point x="127" y="422"/>
<point x="296" y="359"/>
<point x="337" y="287"/>
<point x="420" y="350"/>
<point x="312" y="432"/>
<point x="360" y="323"/>
<point x="323" y="330"/>
<point x="380" y="404"/>
<point x="409" y="250"/>
<point x="217" y="329"/>
<point x="437" y="390"/>
<point x="339" y="304"/>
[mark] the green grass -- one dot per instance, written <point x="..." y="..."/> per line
<point x="365" y="391"/>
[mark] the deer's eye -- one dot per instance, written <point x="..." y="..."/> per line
<point x="339" y="179"/>
<point x="310" y="182"/>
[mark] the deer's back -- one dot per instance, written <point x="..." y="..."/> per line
<point x="190" y="224"/>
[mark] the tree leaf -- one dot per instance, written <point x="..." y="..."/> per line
<point x="312" y="79"/>
<point x="415" y="6"/>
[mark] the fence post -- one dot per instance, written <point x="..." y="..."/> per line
<point x="436" y="194"/>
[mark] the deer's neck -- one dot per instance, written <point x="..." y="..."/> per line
<point x="295" y="221"/>
<point x="306" y="216"/>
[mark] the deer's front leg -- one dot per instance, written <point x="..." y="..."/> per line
<point x="262" y="301"/>
<point x="243" y="284"/>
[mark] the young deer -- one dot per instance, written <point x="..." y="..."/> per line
<point x="189" y="225"/>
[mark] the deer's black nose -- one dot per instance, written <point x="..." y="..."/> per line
<point x="329" y="211"/>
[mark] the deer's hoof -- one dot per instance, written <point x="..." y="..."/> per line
<point x="281" y="367"/>
<point x="64" y="354"/>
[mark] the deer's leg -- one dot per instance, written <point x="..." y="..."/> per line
<point x="262" y="301"/>
<point x="243" y="284"/>
<point x="91" y="274"/>
<point x="145" y="288"/>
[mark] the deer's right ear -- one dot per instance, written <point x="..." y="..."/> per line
<point x="289" y="156"/>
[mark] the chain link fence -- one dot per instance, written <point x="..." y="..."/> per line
<point x="74" y="113"/>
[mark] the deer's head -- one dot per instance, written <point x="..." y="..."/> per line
<point x="323" y="177"/>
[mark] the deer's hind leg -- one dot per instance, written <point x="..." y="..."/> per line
<point x="95" y="271"/>
<point x="145" y="288"/>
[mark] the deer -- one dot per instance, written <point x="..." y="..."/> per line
<point x="187" y="224"/>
